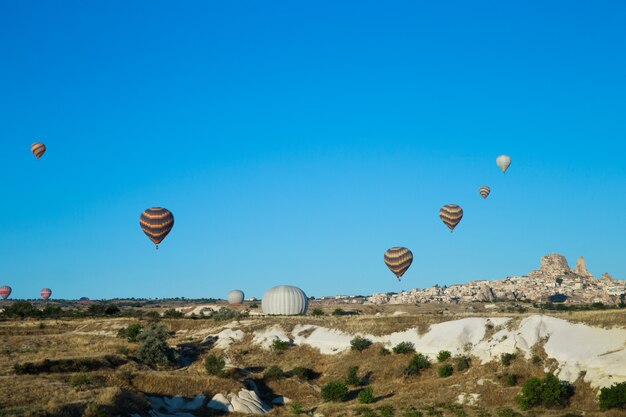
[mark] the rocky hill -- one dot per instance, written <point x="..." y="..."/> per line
<point x="553" y="281"/>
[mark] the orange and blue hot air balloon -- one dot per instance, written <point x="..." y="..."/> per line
<point x="398" y="260"/>
<point x="451" y="215"/>
<point x="156" y="223"/>
<point x="38" y="149"/>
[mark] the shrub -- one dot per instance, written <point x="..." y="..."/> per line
<point x="383" y="351"/>
<point x="352" y="378"/>
<point x="443" y="355"/>
<point x="226" y="314"/>
<point x="214" y="365"/>
<point x="254" y="305"/>
<point x="445" y="371"/>
<point x="153" y="349"/>
<point x="171" y="313"/>
<point x="404" y="347"/>
<point x="280" y="345"/>
<point x="130" y="333"/>
<point x="334" y="391"/>
<point x="410" y="411"/>
<point x="613" y="396"/>
<point x="338" y="312"/>
<point x="536" y="359"/>
<point x="506" y="358"/>
<point x="21" y="309"/>
<point x="273" y="373"/>
<point x="366" y="396"/>
<point x="511" y="380"/>
<point x="303" y="373"/>
<point x="80" y="381"/>
<point x="296" y="409"/>
<point x="317" y="312"/>
<point x="386" y="411"/>
<point x="360" y="343"/>
<point x="462" y="363"/>
<point x="548" y="392"/>
<point x="417" y="363"/>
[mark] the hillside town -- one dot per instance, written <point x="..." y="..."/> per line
<point x="554" y="281"/>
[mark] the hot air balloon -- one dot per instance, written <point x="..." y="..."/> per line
<point x="45" y="293"/>
<point x="451" y="215"/>
<point x="503" y="162"/>
<point x="484" y="191"/>
<point x="156" y="223"/>
<point x="284" y="300"/>
<point x="84" y="299"/>
<point x="398" y="260"/>
<point x="38" y="149"/>
<point x="235" y="297"/>
<point x="5" y="291"/>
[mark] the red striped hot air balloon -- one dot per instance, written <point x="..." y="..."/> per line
<point x="156" y="223"/>
<point x="5" y="291"/>
<point x="398" y="260"/>
<point x="45" y="293"/>
<point x="38" y="149"/>
<point x="451" y="215"/>
<point x="484" y="191"/>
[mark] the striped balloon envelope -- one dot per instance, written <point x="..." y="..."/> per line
<point x="45" y="293"/>
<point x="156" y="223"/>
<point x="38" y="149"/>
<point x="398" y="260"/>
<point x="451" y="215"/>
<point x="5" y="291"/>
<point x="484" y="191"/>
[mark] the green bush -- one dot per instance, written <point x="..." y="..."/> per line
<point x="417" y="363"/>
<point x="386" y="411"/>
<point x="130" y="333"/>
<point x="352" y="378"/>
<point x="366" y="396"/>
<point x="462" y="363"/>
<point x="613" y="396"/>
<point x="360" y="343"/>
<point x="226" y="314"/>
<point x="280" y="345"/>
<point x="153" y="349"/>
<point x="80" y="381"/>
<point x="404" y="347"/>
<point x="21" y="309"/>
<point x="303" y="373"/>
<point x="511" y="380"/>
<point x="214" y="365"/>
<point x="383" y="351"/>
<point x="410" y="411"/>
<point x="317" y="312"/>
<point x="445" y="371"/>
<point x="548" y="392"/>
<point x="506" y="358"/>
<point x="296" y="409"/>
<point x="339" y="312"/>
<point x="273" y="373"/>
<point x="334" y="391"/>
<point x="443" y="355"/>
<point x="171" y="313"/>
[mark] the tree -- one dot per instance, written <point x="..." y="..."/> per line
<point x="214" y="365"/>
<point x="153" y="349"/>
<point x="613" y="397"/>
<point x="360" y="343"/>
<point x="334" y="391"/>
<point x="366" y="395"/>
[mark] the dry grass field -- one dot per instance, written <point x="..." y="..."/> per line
<point x="89" y="371"/>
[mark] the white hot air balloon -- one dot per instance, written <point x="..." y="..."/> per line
<point x="284" y="300"/>
<point x="235" y="297"/>
<point x="503" y="161"/>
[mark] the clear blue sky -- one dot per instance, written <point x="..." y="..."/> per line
<point x="296" y="141"/>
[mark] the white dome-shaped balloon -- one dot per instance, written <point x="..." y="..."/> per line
<point x="284" y="300"/>
<point x="235" y="297"/>
<point x="503" y="161"/>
